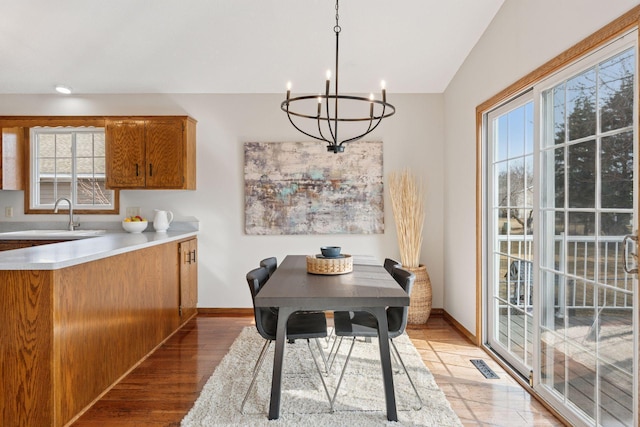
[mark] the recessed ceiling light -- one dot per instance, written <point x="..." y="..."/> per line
<point x="63" y="89"/>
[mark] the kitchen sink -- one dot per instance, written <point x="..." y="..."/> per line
<point x="51" y="234"/>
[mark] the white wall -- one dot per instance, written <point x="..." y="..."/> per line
<point x="413" y="137"/>
<point x="523" y="36"/>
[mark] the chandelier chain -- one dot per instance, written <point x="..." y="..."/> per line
<point x="337" y="28"/>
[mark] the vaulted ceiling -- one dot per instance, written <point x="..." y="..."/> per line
<point x="235" y="46"/>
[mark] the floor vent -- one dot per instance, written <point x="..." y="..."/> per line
<point x="484" y="369"/>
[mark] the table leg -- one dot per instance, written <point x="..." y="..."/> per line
<point x="276" y="381"/>
<point x="385" y="361"/>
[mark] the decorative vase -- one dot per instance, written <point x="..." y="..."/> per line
<point x="421" y="297"/>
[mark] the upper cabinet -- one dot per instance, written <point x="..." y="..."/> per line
<point x="12" y="158"/>
<point x="151" y="152"/>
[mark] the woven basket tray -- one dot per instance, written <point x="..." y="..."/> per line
<point x="329" y="266"/>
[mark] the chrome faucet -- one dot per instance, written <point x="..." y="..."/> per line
<point x="72" y="225"/>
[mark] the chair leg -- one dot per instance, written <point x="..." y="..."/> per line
<point x="395" y="362"/>
<point x="256" y="370"/>
<point x="407" y="372"/>
<point x="324" y="357"/>
<point x="264" y="349"/>
<point x="324" y="385"/>
<point x="332" y="354"/>
<point x="344" y="368"/>
<point x="328" y="337"/>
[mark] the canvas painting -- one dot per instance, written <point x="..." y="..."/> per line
<point x="300" y="188"/>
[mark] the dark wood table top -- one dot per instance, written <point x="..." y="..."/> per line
<point x="369" y="285"/>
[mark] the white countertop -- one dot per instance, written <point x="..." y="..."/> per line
<point x="73" y="252"/>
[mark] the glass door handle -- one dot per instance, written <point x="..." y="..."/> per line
<point x="625" y="245"/>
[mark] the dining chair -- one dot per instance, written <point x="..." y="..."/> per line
<point x="271" y="264"/>
<point x="363" y="324"/>
<point x="300" y="325"/>
<point x="520" y="281"/>
<point x="390" y="264"/>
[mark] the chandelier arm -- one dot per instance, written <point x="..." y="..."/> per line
<point x="384" y="108"/>
<point x="306" y="133"/>
<point x="334" y="135"/>
<point x="331" y="143"/>
<point x="369" y="130"/>
<point x="379" y="119"/>
<point x="370" y="122"/>
<point x="355" y="138"/>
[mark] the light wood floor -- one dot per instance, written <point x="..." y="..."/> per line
<point x="162" y="389"/>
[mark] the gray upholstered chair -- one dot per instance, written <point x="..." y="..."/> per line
<point x="390" y="264"/>
<point x="300" y="325"/>
<point x="271" y="264"/>
<point x="364" y="324"/>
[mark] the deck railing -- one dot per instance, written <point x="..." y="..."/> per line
<point x="575" y="270"/>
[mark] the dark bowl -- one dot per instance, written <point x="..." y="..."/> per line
<point x="330" y="251"/>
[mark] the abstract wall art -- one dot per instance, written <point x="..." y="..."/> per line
<point x="300" y="188"/>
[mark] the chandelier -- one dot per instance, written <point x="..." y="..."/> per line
<point x="325" y="114"/>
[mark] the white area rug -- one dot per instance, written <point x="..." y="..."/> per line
<point x="360" y="401"/>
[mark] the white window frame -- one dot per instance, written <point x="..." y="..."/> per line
<point x="491" y="240"/>
<point x="34" y="180"/>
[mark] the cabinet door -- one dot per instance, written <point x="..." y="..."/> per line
<point x="12" y="159"/>
<point x="188" y="278"/>
<point x="125" y="152"/>
<point x="165" y="153"/>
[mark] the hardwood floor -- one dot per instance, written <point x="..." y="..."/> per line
<point x="476" y="400"/>
<point x="162" y="389"/>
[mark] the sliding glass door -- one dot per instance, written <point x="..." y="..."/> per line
<point x="588" y="198"/>
<point x="561" y="220"/>
<point x="510" y="331"/>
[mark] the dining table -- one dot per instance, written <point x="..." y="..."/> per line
<point x="368" y="287"/>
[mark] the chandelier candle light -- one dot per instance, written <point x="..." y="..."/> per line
<point x="327" y="120"/>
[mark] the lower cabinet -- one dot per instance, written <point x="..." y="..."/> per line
<point x="188" y="251"/>
<point x="68" y="335"/>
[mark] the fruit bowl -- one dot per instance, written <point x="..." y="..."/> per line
<point x="134" y="226"/>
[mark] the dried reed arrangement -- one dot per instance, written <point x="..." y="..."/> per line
<point x="407" y="199"/>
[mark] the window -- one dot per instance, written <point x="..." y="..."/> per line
<point x="69" y="162"/>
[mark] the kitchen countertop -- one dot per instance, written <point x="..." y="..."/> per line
<point x="72" y="252"/>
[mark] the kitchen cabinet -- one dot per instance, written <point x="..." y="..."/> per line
<point x="151" y="152"/>
<point x="188" y="278"/>
<point x="12" y="158"/>
<point x="70" y="334"/>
